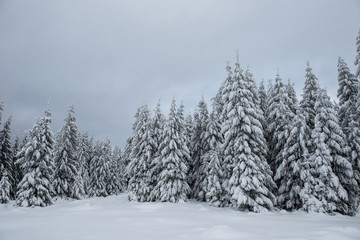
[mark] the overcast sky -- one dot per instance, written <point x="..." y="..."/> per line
<point x="108" y="57"/>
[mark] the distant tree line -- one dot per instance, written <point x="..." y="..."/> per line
<point x="43" y="167"/>
<point x="257" y="149"/>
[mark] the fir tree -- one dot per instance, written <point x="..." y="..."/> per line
<point x="194" y="163"/>
<point x="228" y="140"/>
<point x="157" y="125"/>
<point x="36" y="161"/>
<point x="355" y="145"/>
<point x="292" y="173"/>
<point x="263" y="101"/>
<point x="251" y="85"/>
<point x="84" y="156"/>
<point x="279" y="117"/>
<point x="212" y="162"/>
<point x="120" y="169"/>
<point x="1" y="109"/>
<point x="347" y="94"/>
<point x="293" y="104"/>
<point x="112" y="185"/>
<point x="5" y="187"/>
<point x="270" y="88"/>
<point x="172" y="184"/>
<point x="100" y="170"/>
<point x="183" y="137"/>
<point x="67" y="171"/>
<point x="189" y="131"/>
<point x="339" y="151"/>
<point x="309" y="202"/>
<point x="217" y="102"/>
<point x="6" y="154"/>
<point x="349" y="116"/>
<point x="201" y="146"/>
<point x="21" y="154"/>
<point x="141" y="158"/>
<point x="326" y="137"/>
<point x="357" y="58"/>
<point x="244" y="148"/>
<point x="126" y="159"/>
<point x="78" y="190"/>
<point x="222" y="95"/>
<point x="307" y="103"/>
<point x="17" y="173"/>
<point x="130" y="143"/>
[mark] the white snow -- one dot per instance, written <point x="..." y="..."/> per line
<point x="115" y="218"/>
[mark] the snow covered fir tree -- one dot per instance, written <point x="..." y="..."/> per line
<point x="141" y="158"/>
<point x="255" y="149"/>
<point x="36" y="161"/>
<point x="67" y="164"/>
<point x="171" y="164"/>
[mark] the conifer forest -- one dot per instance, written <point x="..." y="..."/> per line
<point x="256" y="148"/>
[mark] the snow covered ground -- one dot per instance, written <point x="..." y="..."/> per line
<point x="115" y="218"/>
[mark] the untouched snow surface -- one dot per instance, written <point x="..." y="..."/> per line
<point x="115" y="218"/>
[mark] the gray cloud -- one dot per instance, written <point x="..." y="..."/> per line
<point x="109" y="57"/>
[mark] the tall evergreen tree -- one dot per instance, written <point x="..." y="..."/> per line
<point x="17" y="173"/>
<point x="157" y="125"/>
<point x="347" y="94"/>
<point x="292" y="173"/>
<point x="5" y="187"/>
<point x="126" y="158"/>
<point x="263" y="98"/>
<point x="6" y="154"/>
<point x="228" y="141"/>
<point x="339" y="151"/>
<point x="172" y="184"/>
<point x="5" y="146"/>
<point x="189" y="131"/>
<point x="119" y="169"/>
<point x="201" y="146"/>
<point x="112" y="184"/>
<point x="307" y="103"/>
<point x="222" y="95"/>
<point x="183" y="137"/>
<point x="357" y="58"/>
<point x="212" y="188"/>
<point x="195" y="142"/>
<point x="130" y="143"/>
<point x="1" y="109"/>
<point x="67" y="171"/>
<point x="293" y="104"/>
<point x="327" y="188"/>
<point x="140" y="183"/>
<point x="36" y="161"/>
<point x="84" y="156"/>
<point x="217" y="102"/>
<point x="244" y="148"/>
<point x="100" y="169"/>
<point x="7" y="180"/>
<point x="270" y="87"/>
<point x="279" y="117"/>
<point x="355" y="145"/>
<point x="349" y="114"/>
<point x="251" y="85"/>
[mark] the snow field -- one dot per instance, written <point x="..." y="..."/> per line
<point x="115" y="218"/>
